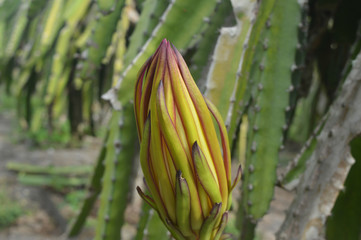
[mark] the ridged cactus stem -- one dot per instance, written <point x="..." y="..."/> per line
<point x="190" y="13"/>
<point x="94" y="190"/>
<point x="226" y="59"/>
<point x="148" y="20"/>
<point x="267" y="70"/>
<point x="117" y="177"/>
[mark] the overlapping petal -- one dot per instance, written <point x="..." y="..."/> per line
<point x="186" y="168"/>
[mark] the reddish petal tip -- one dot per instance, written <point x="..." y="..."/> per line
<point x="164" y="44"/>
<point x="195" y="149"/>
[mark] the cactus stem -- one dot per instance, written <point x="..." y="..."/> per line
<point x="250" y="187"/>
<point x="207" y="20"/>
<point x="255" y="128"/>
<point x="117" y="144"/>
<point x="265" y="45"/>
<point x="294" y="67"/>
<point x="251" y="168"/>
<point x="254" y="147"/>
<point x="268" y="23"/>
<point x="161" y="19"/>
<point x="291" y="89"/>
<point x="261" y="67"/>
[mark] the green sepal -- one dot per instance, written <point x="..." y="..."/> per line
<point x="221" y="226"/>
<point x="183" y="205"/>
<point x="237" y="178"/>
<point x="210" y="222"/>
<point x="146" y="198"/>
<point x="204" y="174"/>
<point x="173" y="230"/>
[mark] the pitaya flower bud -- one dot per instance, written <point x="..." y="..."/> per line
<point x="186" y="169"/>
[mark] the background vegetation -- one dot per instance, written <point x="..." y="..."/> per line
<point x="285" y="74"/>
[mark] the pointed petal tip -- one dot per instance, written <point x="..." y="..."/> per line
<point x="147" y="198"/>
<point x="225" y="215"/>
<point x="196" y="151"/>
<point x="160" y="85"/>
<point x="148" y="118"/>
<point x="177" y="53"/>
<point x="139" y="190"/>
<point x="160" y="93"/>
<point x="216" y="207"/>
<point x="179" y="174"/>
<point x="238" y="177"/>
<point x="195" y="147"/>
<point x="240" y="169"/>
<point x="215" y="210"/>
<point x="142" y="194"/>
<point x="163" y="45"/>
<point x="167" y="43"/>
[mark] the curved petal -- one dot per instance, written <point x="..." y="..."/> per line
<point x="145" y="163"/>
<point x="205" y="175"/>
<point x="224" y="140"/>
<point x="178" y="154"/>
<point x="206" y="123"/>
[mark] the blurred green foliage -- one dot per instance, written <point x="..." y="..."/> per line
<point x="274" y="73"/>
<point x="9" y="209"/>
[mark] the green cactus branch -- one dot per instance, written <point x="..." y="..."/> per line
<point x="117" y="178"/>
<point x="190" y="14"/>
<point x="94" y="190"/>
<point x="273" y="73"/>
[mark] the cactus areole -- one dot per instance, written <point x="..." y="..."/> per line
<point x="187" y="169"/>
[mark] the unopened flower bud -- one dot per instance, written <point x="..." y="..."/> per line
<point x="186" y="167"/>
